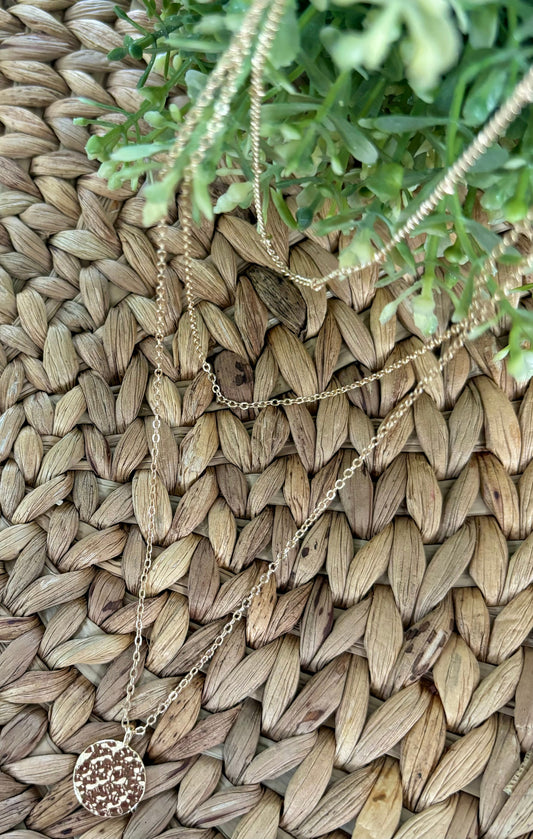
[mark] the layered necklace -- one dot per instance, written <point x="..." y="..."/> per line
<point x="109" y="776"/>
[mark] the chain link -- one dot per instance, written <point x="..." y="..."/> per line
<point x="225" y="79"/>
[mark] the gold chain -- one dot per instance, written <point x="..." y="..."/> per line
<point x="225" y="79"/>
<point x="457" y="334"/>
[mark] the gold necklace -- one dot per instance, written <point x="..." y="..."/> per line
<point x="109" y="776"/>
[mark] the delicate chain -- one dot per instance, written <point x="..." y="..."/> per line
<point x="458" y="334"/>
<point x="152" y="493"/>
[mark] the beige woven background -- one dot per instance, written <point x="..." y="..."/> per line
<point x="384" y="689"/>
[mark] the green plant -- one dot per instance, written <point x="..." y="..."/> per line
<point x="367" y="103"/>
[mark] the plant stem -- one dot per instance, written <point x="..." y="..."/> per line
<point x="331" y="97"/>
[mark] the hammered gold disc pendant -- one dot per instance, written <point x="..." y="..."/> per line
<point x="109" y="779"/>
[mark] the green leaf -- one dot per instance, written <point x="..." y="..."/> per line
<point x="174" y="112"/>
<point x="107" y="168"/>
<point x="297" y="155"/>
<point x="195" y="82"/>
<point x="237" y="195"/>
<point x="513" y="258"/>
<point x="117" y="54"/>
<point x="210" y="24"/>
<point x="515" y="209"/>
<point x="342" y="222"/>
<point x="402" y="124"/>
<point x="424" y="313"/>
<point x="498" y="192"/>
<point x="462" y="18"/>
<point x="433" y="43"/>
<point x="155" y="95"/>
<point x="155" y="119"/>
<point x="463" y="304"/>
<point x="135" y="49"/>
<point x="351" y="50"/>
<point x="494" y="158"/>
<point x="304" y="217"/>
<point x="359" y="251"/>
<point x="356" y="142"/>
<point x="402" y="255"/>
<point x="287" y="41"/>
<point x="94" y="146"/>
<point x="200" y="193"/>
<point x="503" y="353"/>
<point x="208" y="46"/>
<point x="484" y="26"/>
<point x="480" y="329"/>
<point x="285" y="110"/>
<point x="85" y="100"/>
<point x="387" y="181"/>
<point x="485" y="95"/>
<point x="379" y="112"/>
<point x="486" y="239"/>
<point x="520" y="364"/>
<point x="160" y="192"/>
<point x="282" y="208"/>
<point x="154" y="212"/>
<point x="391" y="308"/>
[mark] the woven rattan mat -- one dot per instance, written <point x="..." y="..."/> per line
<point x="385" y="688"/>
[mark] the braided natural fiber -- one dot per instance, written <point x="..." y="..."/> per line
<point x="384" y="688"/>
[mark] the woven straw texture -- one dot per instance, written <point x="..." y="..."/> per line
<point x="383" y="688"/>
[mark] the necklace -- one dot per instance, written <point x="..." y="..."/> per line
<point x="109" y="776"/>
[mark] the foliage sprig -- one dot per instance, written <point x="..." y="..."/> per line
<point x="366" y="105"/>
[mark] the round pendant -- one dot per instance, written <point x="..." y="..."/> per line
<point x="109" y="779"/>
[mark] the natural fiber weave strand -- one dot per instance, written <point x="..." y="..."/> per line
<point x="384" y="689"/>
